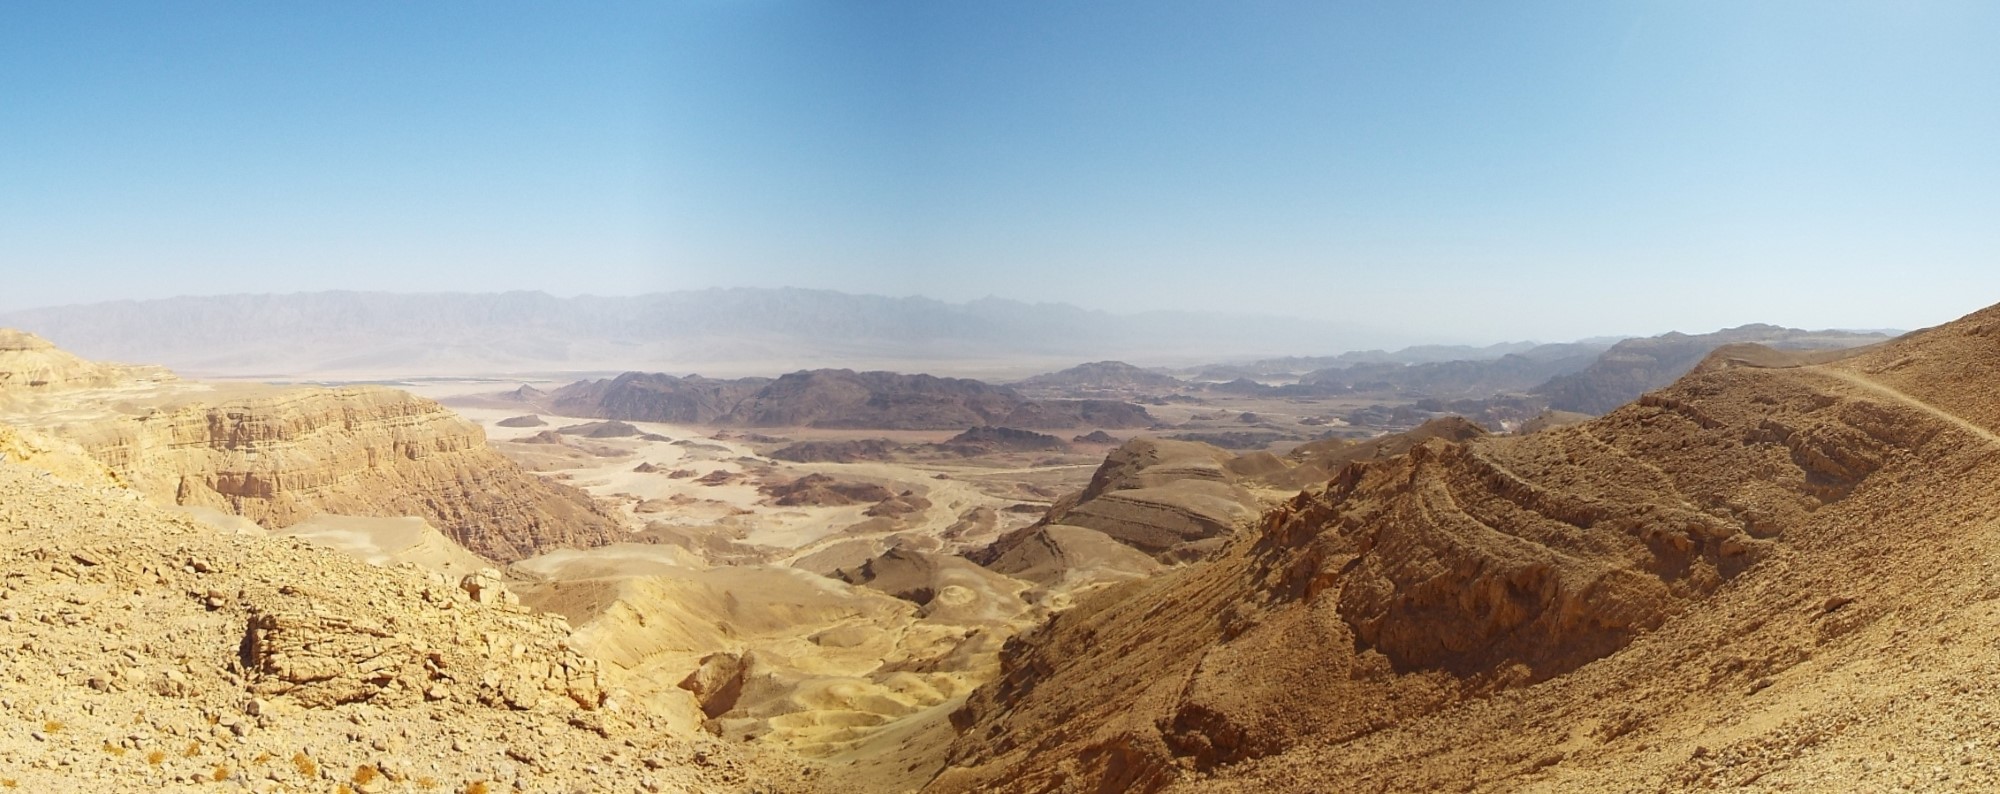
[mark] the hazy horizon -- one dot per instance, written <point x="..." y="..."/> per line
<point x="1368" y="337"/>
<point x="1478" y="174"/>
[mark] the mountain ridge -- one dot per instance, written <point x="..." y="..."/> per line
<point x="1594" y="607"/>
<point x="437" y="333"/>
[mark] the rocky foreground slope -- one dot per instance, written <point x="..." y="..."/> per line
<point x="1781" y="573"/>
<point x="143" y="651"/>
<point x="279" y="456"/>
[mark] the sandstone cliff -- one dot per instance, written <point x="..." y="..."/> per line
<point x="278" y="456"/>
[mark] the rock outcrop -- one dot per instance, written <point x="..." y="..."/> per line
<point x="1319" y="461"/>
<point x="278" y="456"/>
<point x="281" y="457"/>
<point x="1160" y="495"/>
<point x="1652" y="573"/>
<point x="990" y="440"/>
<point x="146" y="651"/>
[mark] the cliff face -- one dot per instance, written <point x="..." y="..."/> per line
<point x="281" y="457"/>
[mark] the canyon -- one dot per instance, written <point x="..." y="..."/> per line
<point x="842" y="581"/>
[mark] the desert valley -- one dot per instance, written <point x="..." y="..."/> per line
<point x="903" y="397"/>
<point x="1756" y="559"/>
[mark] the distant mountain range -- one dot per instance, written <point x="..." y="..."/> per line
<point x="739" y="331"/>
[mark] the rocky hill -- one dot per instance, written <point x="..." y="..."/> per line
<point x="655" y="397"/>
<point x="1159" y="496"/>
<point x="145" y="651"/>
<point x="1103" y="376"/>
<point x="1776" y="574"/>
<point x="835" y="398"/>
<point x="278" y="456"/>
<point x="1456" y="379"/>
<point x="984" y="440"/>
<point x="1636" y="366"/>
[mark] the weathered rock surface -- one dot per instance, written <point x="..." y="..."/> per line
<point x="1606" y="606"/>
<point x="145" y="651"/>
<point x="985" y="440"/>
<point x="1319" y="461"/>
<point x="1157" y="495"/>
<point x="1064" y="558"/>
<point x="279" y="456"/>
<point x="945" y="588"/>
<point x="838" y="451"/>
<point x="820" y="490"/>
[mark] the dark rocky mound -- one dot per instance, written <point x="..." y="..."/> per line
<point x="529" y="420"/>
<point x="653" y="397"/>
<point x="836" y="398"/>
<point x="612" y="429"/>
<point x="987" y="440"/>
<point x="921" y="578"/>
<point x="1104" y="376"/>
<point x="819" y="490"/>
<point x="901" y="504"/>
<point x="838" y="451"/>
<point x="1095" y="437"/>
<point x="1158" y="495"/>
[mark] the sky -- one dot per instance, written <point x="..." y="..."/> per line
<point x="1471" y="171"/>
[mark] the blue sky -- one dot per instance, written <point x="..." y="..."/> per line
<point x="1466" y="170"/>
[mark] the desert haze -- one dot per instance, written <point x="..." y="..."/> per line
<point x="1655" y="563"/>
<point x="904" y="397"/>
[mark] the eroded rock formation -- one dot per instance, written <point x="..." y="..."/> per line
<point x="1651" y="572"/>
<point x="280" y="455"/>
